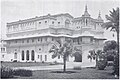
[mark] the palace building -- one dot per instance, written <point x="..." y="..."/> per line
<point x="30" y="40"/>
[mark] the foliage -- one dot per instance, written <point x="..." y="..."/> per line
<point x="92" y="55"/>
<point x="113" y="20"/>
<point x="111" y="51"/>
<point x="6" y="72"/>
<point x="22" y="72"/>
<point x="110" y="45"/>
<point x="113" y="24"/>
<point x="101" y="60"/>
<point x="116" y="64"/>
<point x="64" y="49"/>
<point x="110" y="55"/>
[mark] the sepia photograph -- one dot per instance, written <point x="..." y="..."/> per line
<point x="59" y="39"/>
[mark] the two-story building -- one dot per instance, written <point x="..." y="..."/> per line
<point x="30" y="40"/>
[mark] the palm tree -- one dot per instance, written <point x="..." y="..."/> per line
<point x="113" y="23"/>
<point x="64" y="50"/>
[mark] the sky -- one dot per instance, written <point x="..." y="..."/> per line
<point x="14" y="10"/>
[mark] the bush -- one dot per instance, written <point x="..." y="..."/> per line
<point x="6" y="72"/>
<point x="77" y="68"/>
<point x="101" y="64"/>
<point x="101" y="61"/>
<point x="116" y="64"/>
<point x="22" y="72"/>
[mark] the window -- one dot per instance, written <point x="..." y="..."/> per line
<point x="39" y="49"/>
<point x="27" y="55"/>
<point x="52" y="39"/>
<point x="41" y="39"/>
<point x="32" y="55"/>
<point x="46" y="39"/>
<point x="41" y="57"/>
<point x="32" y="40"/>
<point x="86" y="22"/>
<point x="15" y="41"/>
<point x="2" y="56"/>
<point x="23" y="55"/>
<point x="38" y="39"/>
<point x="38" y="56"/>
<point x="15" y="56"/>
<point x="45" y="57"/>
<point x="27" y="41"/>
<point x="2" y="49"/>
<point x="45" y="21"/>
<point x="58" y="22"/>
<point x="22" y="41"/>
<point x="52" y="22"/>
<point x="59" y="57"/>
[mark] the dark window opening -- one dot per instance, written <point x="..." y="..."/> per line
<point x="58" y="22"/>
<point x="23" y="55"/>
<point x="45" y="57"/>
<point x="27" y="41"/>
<point x="32" y="40"/>
<point x="45" y="21"/>
<point x="53" y="22"/>
<point x="32" y="55"/>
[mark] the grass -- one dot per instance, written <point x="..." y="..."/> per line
<point x="27" y="64"/>
<point x="85" y="73"/>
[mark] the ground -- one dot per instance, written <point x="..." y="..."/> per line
<point x="21" y="64"/>
<point x="84" y="73"/>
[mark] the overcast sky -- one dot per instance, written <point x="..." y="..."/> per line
<point x="14" y="10"/>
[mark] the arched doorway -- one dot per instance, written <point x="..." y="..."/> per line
<point x="32" y="55"/>
<point x="15" y="56"/>
<point x="23" y="57"/>
<point x="78" y="56"/>
<point x="27" y="55"/>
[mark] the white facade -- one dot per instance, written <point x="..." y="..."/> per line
<point x="30" y="40"/>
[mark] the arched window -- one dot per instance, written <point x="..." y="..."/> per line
<point x="67" y="22"/>
<point x="32" y="55"/>
<point x="86" y="22"/>
<point x="23" y="55"/>
<point x="27" y="55"/>
<point x="45" y="57"/>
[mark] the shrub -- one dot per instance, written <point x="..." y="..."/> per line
<point x="101" y="61"/>
<point x="77" y="68"/>
<point x="101" y="64"/>
<point x="6" y="72"/>
<point x="116" y="64"/>
<point x="22" y="72"/>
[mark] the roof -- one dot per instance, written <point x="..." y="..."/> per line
<point x="86" y="33"/>
<point x="39" y="18"/>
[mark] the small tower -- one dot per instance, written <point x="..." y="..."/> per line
<point x="99" y="16"/>
<point x="86" y="14"/>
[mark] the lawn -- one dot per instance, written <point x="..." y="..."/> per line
<point x="27" y="64"/>
<point x="85" y="73"/>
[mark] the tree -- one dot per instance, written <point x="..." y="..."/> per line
<point x="92" y="55"/>
<point x="64" y="49"/>
<point x="110" y="48"/>
<point x="110" y="45"/>
<point x="113" y="23"/>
